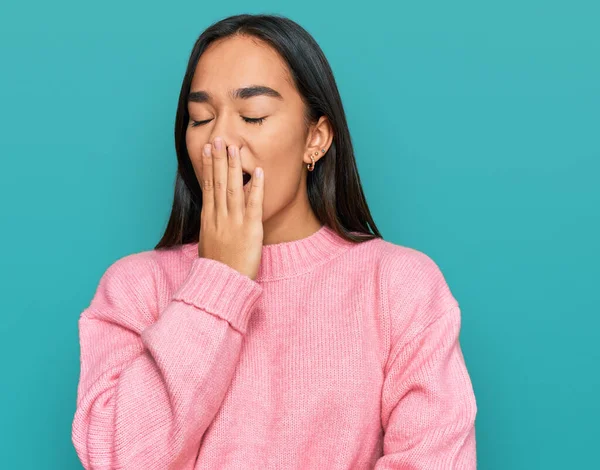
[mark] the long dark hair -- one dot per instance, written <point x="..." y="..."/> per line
<point x="334" y="189"/>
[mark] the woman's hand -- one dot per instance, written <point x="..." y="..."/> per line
<point x="230" y="231"/>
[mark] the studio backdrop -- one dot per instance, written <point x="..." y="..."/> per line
<point x="476" y="127"/>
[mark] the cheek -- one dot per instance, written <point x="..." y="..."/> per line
<point x="282" y="181"/>
<point x="281" y="157"/>
<point x="194" y="147"/>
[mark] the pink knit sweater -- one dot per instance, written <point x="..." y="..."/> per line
<point x="338" y="356"/>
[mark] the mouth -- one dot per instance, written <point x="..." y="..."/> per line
<point x="247" y="178"/>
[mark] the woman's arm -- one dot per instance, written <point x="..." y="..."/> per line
<point x="428" y="403"/>
<point x="151" y="384"/>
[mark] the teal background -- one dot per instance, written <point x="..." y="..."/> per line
<point x="476" y="128"/>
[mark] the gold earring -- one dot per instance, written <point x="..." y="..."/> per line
<point x="311" y="166"/>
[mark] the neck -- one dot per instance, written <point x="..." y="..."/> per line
<point x="288" y="226"/>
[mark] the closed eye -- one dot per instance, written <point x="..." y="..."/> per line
<point x="258" y="121"/>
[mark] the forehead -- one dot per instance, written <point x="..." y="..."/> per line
<point x="239" y="61"/>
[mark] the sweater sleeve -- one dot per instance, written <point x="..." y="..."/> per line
<point x="428" y="402"/>
<point x="151" y="382"/>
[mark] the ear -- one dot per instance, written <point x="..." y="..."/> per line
<point x="318" y="140"/>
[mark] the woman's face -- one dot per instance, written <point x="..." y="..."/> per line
<point x="280" y="144"/>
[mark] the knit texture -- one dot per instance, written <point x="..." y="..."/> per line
<point x="339" y="355"/>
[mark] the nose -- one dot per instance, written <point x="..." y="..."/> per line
<point x="223" y="128"/>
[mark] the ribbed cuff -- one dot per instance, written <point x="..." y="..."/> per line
<point x="220" y="290"/>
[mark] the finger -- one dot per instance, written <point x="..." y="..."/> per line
<point x="235" y="183"/>
<point x="220" y="175"/>
<point x="254" y="208"/>
<point x="206" y="183"/>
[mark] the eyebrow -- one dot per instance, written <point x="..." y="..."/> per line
<point x="201" y="96"/>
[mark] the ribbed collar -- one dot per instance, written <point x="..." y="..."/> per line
<point x="288" y="259"/>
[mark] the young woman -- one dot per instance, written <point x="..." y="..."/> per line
<point x="272" y="326"/>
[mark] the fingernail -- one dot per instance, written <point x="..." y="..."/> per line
<point x="231" y="151"/>
<point x="207" y="150"/>
<point x="218" y="143"/>
<point x="259" y="172"/>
